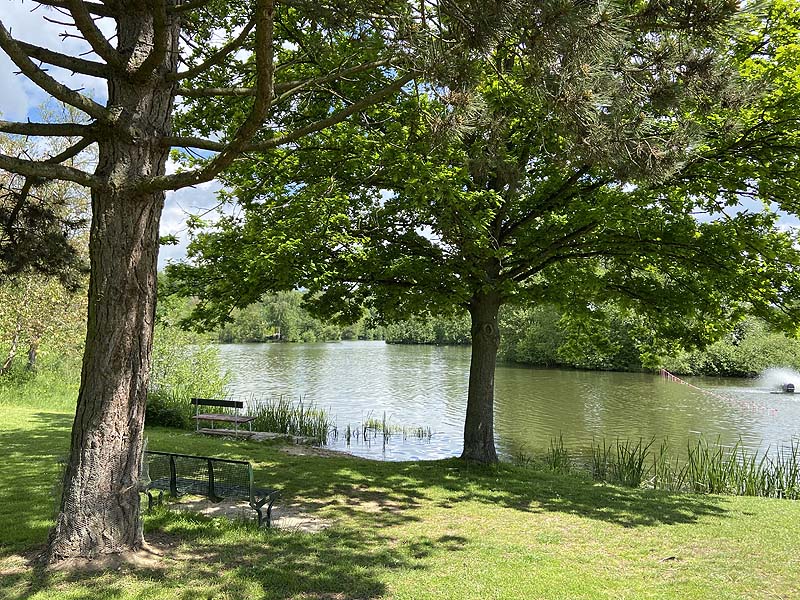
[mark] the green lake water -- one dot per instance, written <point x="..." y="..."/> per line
<point x="426" y="386"/>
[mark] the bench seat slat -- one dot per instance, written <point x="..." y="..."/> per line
<point x="225" y="418"/>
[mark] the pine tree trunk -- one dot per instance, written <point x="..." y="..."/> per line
<point x="479" y="424"/>
<point x="99" y="511"/>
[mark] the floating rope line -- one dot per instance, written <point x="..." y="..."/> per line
<point x="753" y="406"/>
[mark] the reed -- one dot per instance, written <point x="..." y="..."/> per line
<point x="630" y="466"/>
<point x="708" y="468"/>
<point x="372" y="428"/>
<point x="668" y="473"/>
<point x="600" y="460"/>
<point x="557" y="458"/>
<point x="281" y="415"/>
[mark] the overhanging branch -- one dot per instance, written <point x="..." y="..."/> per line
<point x="94" y="8"/>
<point x="93" y="35"/>
<point x="216" y="57"/>
<point x="282" y="87"/>
<point x="76" y="65"/>
<point x="336" y="117"/>
<point x="45" y="170"/>
<point x="48" y="129"/>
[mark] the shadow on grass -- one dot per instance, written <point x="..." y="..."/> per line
<point x="205" y="557"/>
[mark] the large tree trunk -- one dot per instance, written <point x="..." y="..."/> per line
<point x="100" y="504"/>
<point x="479" y="424"/>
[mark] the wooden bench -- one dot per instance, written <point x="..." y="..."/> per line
<point x="215" y="478"/>
<point x="236" y="419"/>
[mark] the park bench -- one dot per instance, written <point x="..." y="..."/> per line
<point x="215" y="478"/>
<point x="236" y="418"/>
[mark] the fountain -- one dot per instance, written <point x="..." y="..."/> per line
<point x="780" y="380"/>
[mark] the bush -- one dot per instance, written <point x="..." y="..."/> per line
<point x="184" y="366"/>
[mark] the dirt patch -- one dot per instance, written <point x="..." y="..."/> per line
<point x="294" y="516"/>
<point x="149" y="557"/>
<point x="314" y="451"/>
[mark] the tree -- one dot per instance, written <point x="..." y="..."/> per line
<point x="571" y="172"/>
<point x="281" y="71"/>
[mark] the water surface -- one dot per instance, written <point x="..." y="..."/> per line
<point x="426" y="386"/>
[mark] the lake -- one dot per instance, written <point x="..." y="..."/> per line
<point x="426" y="386"/>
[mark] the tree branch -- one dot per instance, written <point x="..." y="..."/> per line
<point x="156" y="55"/>
<point x="92" y="7"/>
<point x="45" y="170"/>
<point x="93" y="35"/>
<point x="337" y="117"/>
<point x="48" y="129"/>
<point x="264" y="14"/>
<point x="547" y="203"/>
<point x="216" y="57"/>
<point x="283" y="87"/>
<point x="58" y="90"/>
<point x="187" y="6"/>
<point x="71" y="63"/>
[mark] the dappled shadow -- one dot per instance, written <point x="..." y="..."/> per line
<point x="201" y="560"/>
<point x="395" y="489"/>
<point x="29" y="471"/>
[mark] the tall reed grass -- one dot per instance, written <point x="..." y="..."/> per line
<point x="281" y="415"/>
<point x="707" y="468"/>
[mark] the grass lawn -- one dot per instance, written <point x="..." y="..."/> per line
<point x="413" y="530"/>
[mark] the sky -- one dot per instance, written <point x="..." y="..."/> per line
<point x="20" y="100"/>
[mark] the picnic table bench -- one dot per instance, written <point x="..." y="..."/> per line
<point x="236" y="418"/>
<point x="215" y="478"/>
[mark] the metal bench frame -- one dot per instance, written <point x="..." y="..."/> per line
<point x="208" y="485"/>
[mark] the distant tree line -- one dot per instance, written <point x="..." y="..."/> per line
<point x="612" y="339"/>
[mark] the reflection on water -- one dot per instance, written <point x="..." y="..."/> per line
<point x="426" y="386"/>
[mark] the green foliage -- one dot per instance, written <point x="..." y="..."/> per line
<point x="40" y="320"/>
<point x="751" y="348"/>
<point x="510" y="187"/>
<point x="282" y="317"/>
<point x="184" y="366"/>
<point x="431" y="329"/>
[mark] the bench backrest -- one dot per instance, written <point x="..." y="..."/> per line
<point x="215" y="402"/>
<point x="211" y="477"/>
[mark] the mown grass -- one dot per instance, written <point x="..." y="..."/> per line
<point x="414" y="530"/>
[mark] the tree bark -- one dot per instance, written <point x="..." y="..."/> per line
<point x="12" y="351"/>
<point x="33" y="352"/>
<point x="479" y="423"/>
<point x="99" y="511"/>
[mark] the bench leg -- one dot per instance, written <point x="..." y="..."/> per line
<point x="150" y="499"/>
<point x="258" y="506"/>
